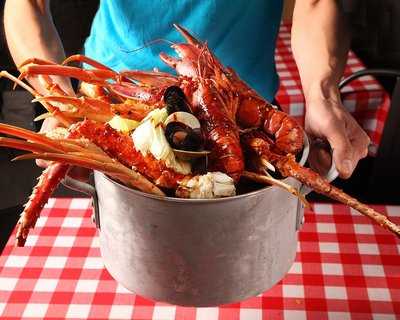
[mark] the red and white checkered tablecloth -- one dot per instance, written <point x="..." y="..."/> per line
<point x="364" y="98"/>
<point x="346" y="268"/>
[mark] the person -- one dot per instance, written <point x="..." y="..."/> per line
<point x="241" y="33"/>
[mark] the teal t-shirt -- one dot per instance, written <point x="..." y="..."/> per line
<point x="242" y="33"/>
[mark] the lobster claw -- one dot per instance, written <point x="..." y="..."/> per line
<point x="188" y="37"/>
<point x="188" y="53"/>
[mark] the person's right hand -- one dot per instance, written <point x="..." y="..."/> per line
<point x="327" y="119"/>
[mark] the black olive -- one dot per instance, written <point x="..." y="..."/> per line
<point x="182" y="137"/>
<point x="175" y="100"/>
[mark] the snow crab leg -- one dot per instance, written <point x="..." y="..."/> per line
<point x="64" y="152"/>
<point x="259" y="148"/>
<point x="102" y="86"/>
<point x="62" y="118"/>
<point x="95" y="76"/>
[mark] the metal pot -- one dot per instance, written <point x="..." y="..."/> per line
<point x="195" y="252"/>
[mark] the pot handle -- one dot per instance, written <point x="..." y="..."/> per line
<point x="85" y="188"/>
<point x="331" y="175"/>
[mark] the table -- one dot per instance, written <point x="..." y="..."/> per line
<point x="364" y="98"/>
<point x="345" y="268"/>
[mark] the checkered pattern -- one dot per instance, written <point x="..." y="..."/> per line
<point x="364" y="97"/>
<point x="346" y="268"/>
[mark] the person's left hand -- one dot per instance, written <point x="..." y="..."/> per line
<point x="327" y="119"/>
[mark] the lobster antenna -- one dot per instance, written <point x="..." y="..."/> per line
<point x="148" y="44"/>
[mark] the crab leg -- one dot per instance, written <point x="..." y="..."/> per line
<point x="275" y="182"/>
<point x="65" y="152"/>
<point x="286" y="164"/>
<point x="152" y="78"/>
<point x="98" y="110"/>
<point x="84" y="59"/>
<point x="26" y="145"/>
<point x="36" y="61"/>
<point x="95" y="76"/>
<point x="289" y="167"/>
<point x="45" y="80"/>
<point x="51" y="87"/>
<point x="83" y="107"/>
<point x="120" y="146"/>
<point x="48" y="182"/>
<point x="17" y="81"/>
<point x="28" y="135"/>
<point x="96" y="91"/>
<point x="60" y="117"/>
<point x="100" y="163"/>
<point x="97" y="65"/>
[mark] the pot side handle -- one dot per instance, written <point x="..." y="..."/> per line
<point x="87" y="189"/>
<point x="331" y="175"/>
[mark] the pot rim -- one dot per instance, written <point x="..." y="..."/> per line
<point x="187" y="200"/>
<point x="306" y="150"/>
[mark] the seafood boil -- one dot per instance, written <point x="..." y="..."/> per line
<point x="196" y="133"/>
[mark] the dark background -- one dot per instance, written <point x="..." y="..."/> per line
<point x="375" y="30"/>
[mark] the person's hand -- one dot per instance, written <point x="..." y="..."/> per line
<point x="327" y="119"/>
<point x="74" y="172"/>
<point x="48" y="125"/>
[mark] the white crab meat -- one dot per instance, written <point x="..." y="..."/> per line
<point x="149" y="137"/>
<point x="57" y="133"/>
<point x="208" y="186"/>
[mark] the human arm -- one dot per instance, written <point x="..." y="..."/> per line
<point x="31" y="33"/>
<point x="320" y="45"/>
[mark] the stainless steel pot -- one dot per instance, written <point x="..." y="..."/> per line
<point x="195" y="252"/>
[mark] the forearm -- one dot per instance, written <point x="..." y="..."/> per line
<point x="320" y="45"/>
<point x="30" y="33"/>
